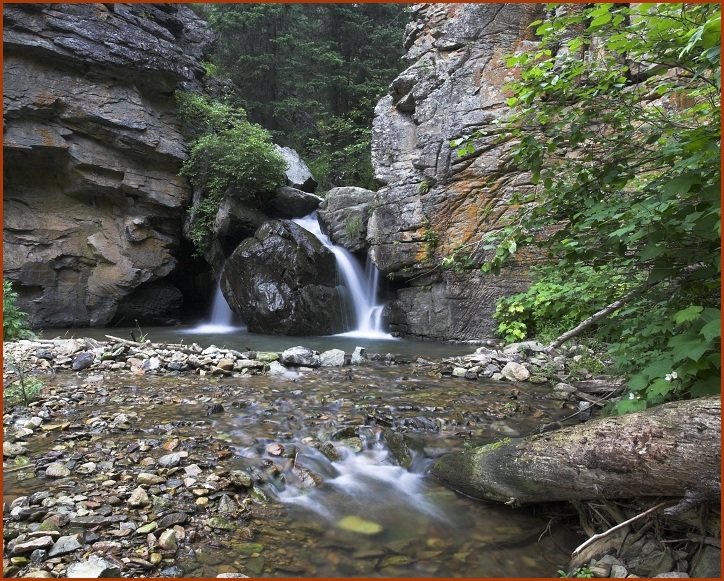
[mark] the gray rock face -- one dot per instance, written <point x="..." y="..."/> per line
<point x="433" y="202"/>
<point x="293" y="203"/>
<point x="343" y="216"/>
<point x="92" y="149"/>
<point x="297" y="175"/>
<point x="283" y="281"/>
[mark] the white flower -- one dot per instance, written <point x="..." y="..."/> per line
<point x="632" y="396"/>
<point x="671" y="376"/>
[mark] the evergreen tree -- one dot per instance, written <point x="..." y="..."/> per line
<point x="311" y="74"/>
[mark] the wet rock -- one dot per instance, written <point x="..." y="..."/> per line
<point x="276" y="368"/>
<point x="299" y="299"/>
<point x="217" y="408"/>
<point x="218" y="522"/>
<point x="398" y="447"/>
<point x="306" y="478"/>
<point x="231" y="575"/>
<point x="300" y="356"/>
<point x="11" y="450"/>
<point x="293" y="203"/>
<point x="169" y="520"/>
<point x="355" y="444"/>
<point x="328" y="449"/>
<point x="94" y="567"/>
<point x="359" y="525"/>
<point x="275" y="449"/>
<point x="147" y="528"/>
<point x="82" y="361"/>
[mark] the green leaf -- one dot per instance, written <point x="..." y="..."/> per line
<point x="711" y="330"/>
<point x="690" y="313"/>
<point x="704" y="387"/>
<point x="627" y="406"/>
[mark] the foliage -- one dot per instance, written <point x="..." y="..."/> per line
<point x="617" y="117"/>
<point x="25" y="389"/>
<point x="545" y="310"/>
<point x="15" y="325"/>
<point x="579" y="572"/>
<point x="228" y="156"/>
<point x="312" y="74"/>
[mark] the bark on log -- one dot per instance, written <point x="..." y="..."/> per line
<point x="663" y="451"/>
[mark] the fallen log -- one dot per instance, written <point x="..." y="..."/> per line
<point x="670" y="450"/>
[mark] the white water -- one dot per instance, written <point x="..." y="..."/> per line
<point x="361" y="284"/>
<point x="221" y="318"/>
<point x="364" y="485"/>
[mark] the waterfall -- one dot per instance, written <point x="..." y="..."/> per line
<point x="221" y="317"/>
<point x="361" y="284"/>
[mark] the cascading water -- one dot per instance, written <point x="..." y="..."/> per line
<point x="361" y="284"/>
<point x="221" y="318"/>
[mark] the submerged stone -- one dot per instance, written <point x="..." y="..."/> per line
<point x="359" y="525"/>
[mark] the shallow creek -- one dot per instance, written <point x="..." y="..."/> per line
<point x="369" y="516"/>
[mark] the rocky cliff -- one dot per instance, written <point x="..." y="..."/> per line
<point x="93" y="204"/>
<point x="432" y="202"/>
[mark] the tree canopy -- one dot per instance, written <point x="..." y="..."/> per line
<point x="617" y="117"/>
<point x="312" y="74"/>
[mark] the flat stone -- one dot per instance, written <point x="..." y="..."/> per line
<point x="43" y="542"/>
<point x="94" y="567"/>
<point x="217" y="522"/>
<point x="169" y="520"/>
<point x="64" y="545"/>
<point x="359" y="525"/>
<point x="148" y="478"/>
<point x="57" y="470"/>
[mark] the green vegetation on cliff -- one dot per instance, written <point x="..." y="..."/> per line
<point x="617" y="117"/>
<point x="312" y="74"/>
<point x="228" y="156"/>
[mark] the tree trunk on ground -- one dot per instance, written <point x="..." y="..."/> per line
<point x="662" y="451"/>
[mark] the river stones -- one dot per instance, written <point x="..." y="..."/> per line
<point x="515" y="371"/>
<point x="300" y="356"/>
<point x="356" y="524"/>
<point x="139" y="497"/>
<point x="57" y="470"/>
<point x="94" y="567"/>
<point x="332" y="358"/>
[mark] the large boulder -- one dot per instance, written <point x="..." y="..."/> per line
<point x="235" y="221"/>
<point x="343" y="216"/>
<point x="290" y="202"/>
<point x="282" y="281"/>
<point x="92" y="149"/>
<point x="433" y="202"/>
<point x="297" y="174"/>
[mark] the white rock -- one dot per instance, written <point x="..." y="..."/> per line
<point x="515" y="371"/>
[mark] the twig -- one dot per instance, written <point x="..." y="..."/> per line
<point x="594" y="538"/>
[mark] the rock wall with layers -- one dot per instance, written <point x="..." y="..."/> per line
<point x="93" y="203"/>
<point x="433" y="202"/>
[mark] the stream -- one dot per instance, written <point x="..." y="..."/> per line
<point x="366" y="515"/>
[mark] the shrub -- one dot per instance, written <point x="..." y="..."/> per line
<point x="228" y="156"/>
<point x="14" y="320"/>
